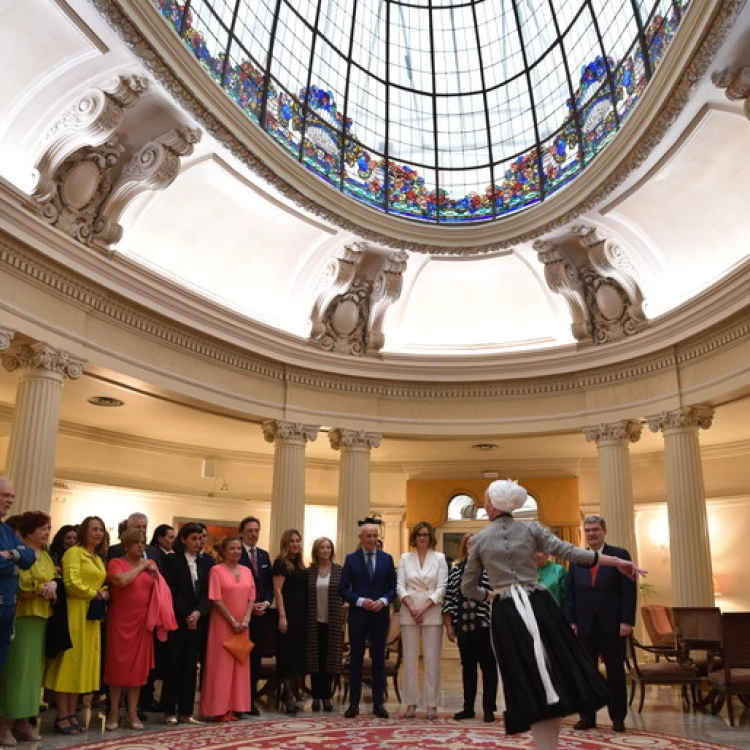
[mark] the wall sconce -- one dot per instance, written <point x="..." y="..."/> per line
<point x="223" y="487"/>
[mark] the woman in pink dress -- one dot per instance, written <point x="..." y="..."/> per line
<point x="139" y="601"/>
<point x="225" y="691"/>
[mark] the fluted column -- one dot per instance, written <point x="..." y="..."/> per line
<point x="615" y="482"/>
<point x="354" y="483"/>
<point x="30" y="464"/>
<point x="692" y="580"/>
<point x="288" y="493"/>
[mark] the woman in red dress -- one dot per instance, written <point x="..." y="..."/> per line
<point x="139" y="601"/>
<point x="226" y="682"/>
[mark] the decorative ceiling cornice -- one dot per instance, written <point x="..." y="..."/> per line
<point x="702" y="32"/>
<point x="19" y="259"/>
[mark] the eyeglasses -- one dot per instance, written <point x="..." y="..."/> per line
<point x="423" y="534"/>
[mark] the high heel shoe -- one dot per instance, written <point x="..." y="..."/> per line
<point x="316" y="705"/>
<point x="327" y="705"/>
<point x="431" y="713"/>
<point x="133" y="724"/>
<point x="70" y="729"/>
<point x="411" y="712"/>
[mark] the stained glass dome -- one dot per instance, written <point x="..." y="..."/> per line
<point x="445" y="111"/>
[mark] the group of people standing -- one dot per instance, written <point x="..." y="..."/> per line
<point x="171" y="599"/>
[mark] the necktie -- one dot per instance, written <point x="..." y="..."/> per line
<point x="254" y="560"/>
<point x="371" y="564"/>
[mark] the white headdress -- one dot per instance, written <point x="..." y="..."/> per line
<point x="506" y="495"/>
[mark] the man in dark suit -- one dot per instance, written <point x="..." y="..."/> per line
<point x="186" y="573"/>
<point x="368" y="585"/>
<point x="600" y="605"/>
<point x="259" y="562"/>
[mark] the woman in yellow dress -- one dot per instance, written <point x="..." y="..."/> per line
<point x="21" y="682"/>
<point x="77" y="670"/>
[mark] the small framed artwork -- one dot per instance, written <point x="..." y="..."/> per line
<point x="216" y="530"/>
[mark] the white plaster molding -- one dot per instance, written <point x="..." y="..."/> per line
<point x="355" y="292"/>
<point x="43" y="358"/>
<point x="6" y="337"/>
<point x="688" y="417"/>
<point x="275" y="430"/>
<point x="626" y="430"/>
<point x="354" y="439"/>
<point x="736" y="85"/>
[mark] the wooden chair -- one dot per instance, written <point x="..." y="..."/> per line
<point x="659" y="624"/>
<point x="734" y="678"/>
<point x="658" y="673"/>
<point x="272" y="686"/>
<point x="393" y="657"/>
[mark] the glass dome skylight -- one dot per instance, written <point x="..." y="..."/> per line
<point x="437" y="110"/>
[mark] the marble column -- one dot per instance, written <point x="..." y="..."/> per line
<point x="30" y="463"/>
<point x="615" y="482"/>
<point x="692" y="580"/>
<point x="288" y="493"/>
<point x="354" y="483"/>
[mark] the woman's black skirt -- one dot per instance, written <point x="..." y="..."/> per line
<point x="580" y="687"/>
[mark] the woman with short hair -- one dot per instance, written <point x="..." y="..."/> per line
<point x="76" y="670"/>
<point x="421" y="579"/>
<point x="325" y="618"/>
<point x="21" y="681"/>
<point x="290" y="592"/>
<point x="140" y="604"/>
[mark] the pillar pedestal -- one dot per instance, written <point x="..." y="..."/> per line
<point x="692" y="579"/>
<point x="615" y="482"/>
<point x="354" y="483"/>
<point x="30" y="464"/>
<point x="288" y="493"/>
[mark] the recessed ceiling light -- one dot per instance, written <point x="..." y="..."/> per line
<point x="105" y="401"/>
<point x="485" y="447"/>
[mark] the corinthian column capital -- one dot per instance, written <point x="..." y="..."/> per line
<point x="6" y="337"/>
<point x="353" y="439"/>
<point x="292" y="432"/>
<point x="685" y="417"/>
<point x="627" y="430"/>
<point x="44" y="358"/>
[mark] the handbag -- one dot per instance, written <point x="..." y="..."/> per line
<point x="97" y="609"/>
<point x="239" y="645"/>
<point x="57" y="634"/>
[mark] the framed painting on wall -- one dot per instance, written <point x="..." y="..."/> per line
<point x="216" y="530"/>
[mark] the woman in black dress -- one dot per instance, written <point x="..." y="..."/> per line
<point x="290" y="592"/>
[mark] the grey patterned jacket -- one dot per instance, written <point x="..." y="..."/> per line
<point x="505" y="549"/>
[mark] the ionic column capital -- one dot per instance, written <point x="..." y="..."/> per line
<point x="6" y="337"/>
<point x="687" y="417"/>
<point x="356" y="439"/>
<point x="44" y="359"/>
<point x="625" y="431"/>
<point x="289" y="432"/>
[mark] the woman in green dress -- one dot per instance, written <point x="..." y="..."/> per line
<point x="21" y="682"/>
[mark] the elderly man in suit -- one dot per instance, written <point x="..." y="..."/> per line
<point x="259" y="562"/>
<point x="368" y="585"/>
<point x="600" y="605"/>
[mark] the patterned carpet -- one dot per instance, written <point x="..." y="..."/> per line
<point x="368" y="733"/>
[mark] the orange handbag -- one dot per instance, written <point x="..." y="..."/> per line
<point x="239" y="645"/>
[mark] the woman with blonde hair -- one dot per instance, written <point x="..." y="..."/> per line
<point x="325" y="618"/>
<point x="421" y="579"/>
<point x="77" y="670"/>
<point x="467" y="622"/>
<point x="290" y="592"/>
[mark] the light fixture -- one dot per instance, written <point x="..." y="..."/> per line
<point x="223" y="487"/>
<point x="485" y="447"/>
<point x="491" y="474"/>
<point x="108" y="401"/>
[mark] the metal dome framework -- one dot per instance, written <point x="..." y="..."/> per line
<point x="434" y="110"/>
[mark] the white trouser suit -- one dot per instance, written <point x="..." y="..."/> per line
<point x="421" y="583"/>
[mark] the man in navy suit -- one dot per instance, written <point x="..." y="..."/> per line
<point x="368" y="585"/>
<point x="600" y="605"/>
<point x="259" y="562"/>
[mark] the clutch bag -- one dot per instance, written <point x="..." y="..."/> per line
<point x="239" y="645"/>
